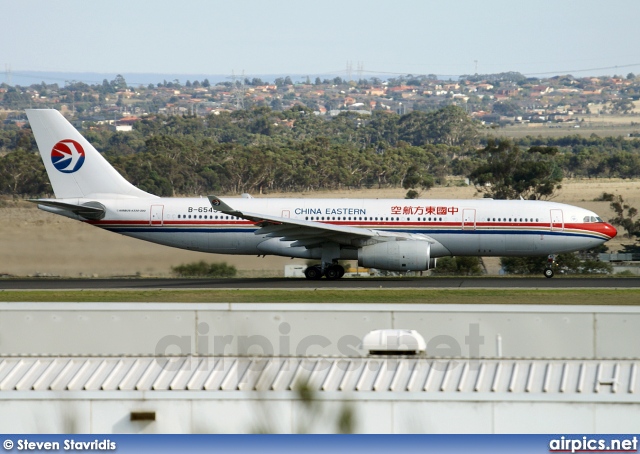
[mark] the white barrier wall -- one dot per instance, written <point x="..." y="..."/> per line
<point x="510" y="331"/>
<point x="284" y="416"/>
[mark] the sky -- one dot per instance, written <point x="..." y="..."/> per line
<point x="453" y="37"/>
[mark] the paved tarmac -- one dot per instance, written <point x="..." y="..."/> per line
<point x="294" y="283"/>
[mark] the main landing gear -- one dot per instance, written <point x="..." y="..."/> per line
<point x="548" y="271"/>
<point x="331" y="272"/>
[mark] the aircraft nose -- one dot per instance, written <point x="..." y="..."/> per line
<point x="610" y="230"/>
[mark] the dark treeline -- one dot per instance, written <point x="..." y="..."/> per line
<point x="261" y="150"/>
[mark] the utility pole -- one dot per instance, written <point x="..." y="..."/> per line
<point x="238" y="92"/>
<point x="7" y="73"/>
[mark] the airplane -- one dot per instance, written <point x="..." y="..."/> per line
<point x="386" y="234"/>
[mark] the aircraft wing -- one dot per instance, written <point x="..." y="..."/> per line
<point x="311" y="233"/>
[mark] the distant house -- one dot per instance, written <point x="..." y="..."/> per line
<point x="348" y="101"/>
<point x="376" y="91"/>
<point x="539" y="90"/>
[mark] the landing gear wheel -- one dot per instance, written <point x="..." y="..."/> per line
<point x="313" y="273"/>
<point x="548" y="273"/>
<point x="334" y="272"/>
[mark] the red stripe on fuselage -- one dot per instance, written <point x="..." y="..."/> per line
<point x="600" y="228"/>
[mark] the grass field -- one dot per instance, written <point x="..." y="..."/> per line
<point x="623" y="297"/>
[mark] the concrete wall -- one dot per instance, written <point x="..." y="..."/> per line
<point x="594" y="332"/>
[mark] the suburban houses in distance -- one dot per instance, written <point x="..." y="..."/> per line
<point x="495" y="100"/>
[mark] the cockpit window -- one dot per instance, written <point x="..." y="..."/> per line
<point x="592" y="219"/>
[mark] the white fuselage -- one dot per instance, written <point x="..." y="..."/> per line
<point x="481" y="227"/>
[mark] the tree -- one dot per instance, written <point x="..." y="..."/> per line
<point x="507" y="108"/>
<point x="22" y="173"/>
<point x="450" y="125"/>
<point x="622" y="106"/>
<point x="569" y="263"/>
<point x="118" y="83"/>
<point x="459" y="266"/>
<point x="625" y="217"/>
<point x="510" y="172"/>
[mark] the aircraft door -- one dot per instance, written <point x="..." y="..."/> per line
<point x="557" y="221"/>
<point x="157" y="212"/>
<point x="468" y="219"/>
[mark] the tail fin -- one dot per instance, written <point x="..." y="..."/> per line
<point x="74" y="166"/>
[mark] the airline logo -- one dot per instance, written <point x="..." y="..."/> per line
<point x="67" y="156"/>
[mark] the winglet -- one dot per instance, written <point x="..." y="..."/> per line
<point x="219" y="205"/>
<point x="222" y="207"/>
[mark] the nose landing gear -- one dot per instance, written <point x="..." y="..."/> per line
<point x="548" y="271"/>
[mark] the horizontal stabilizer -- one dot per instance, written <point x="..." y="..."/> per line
<point x="89" y="210"/>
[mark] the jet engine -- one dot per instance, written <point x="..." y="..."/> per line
<point x="397" y="256"/>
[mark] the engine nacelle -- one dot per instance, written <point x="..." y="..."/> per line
<point x="397" y="256"/>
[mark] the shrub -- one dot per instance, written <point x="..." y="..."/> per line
<point x="604" y="197"/>
<point x="204" y="269"/>
<point x="459" y="266"/>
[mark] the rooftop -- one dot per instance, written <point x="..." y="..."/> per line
<point x="396" y="377"/>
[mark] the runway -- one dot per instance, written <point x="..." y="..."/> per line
<point x="300" y="284"/>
